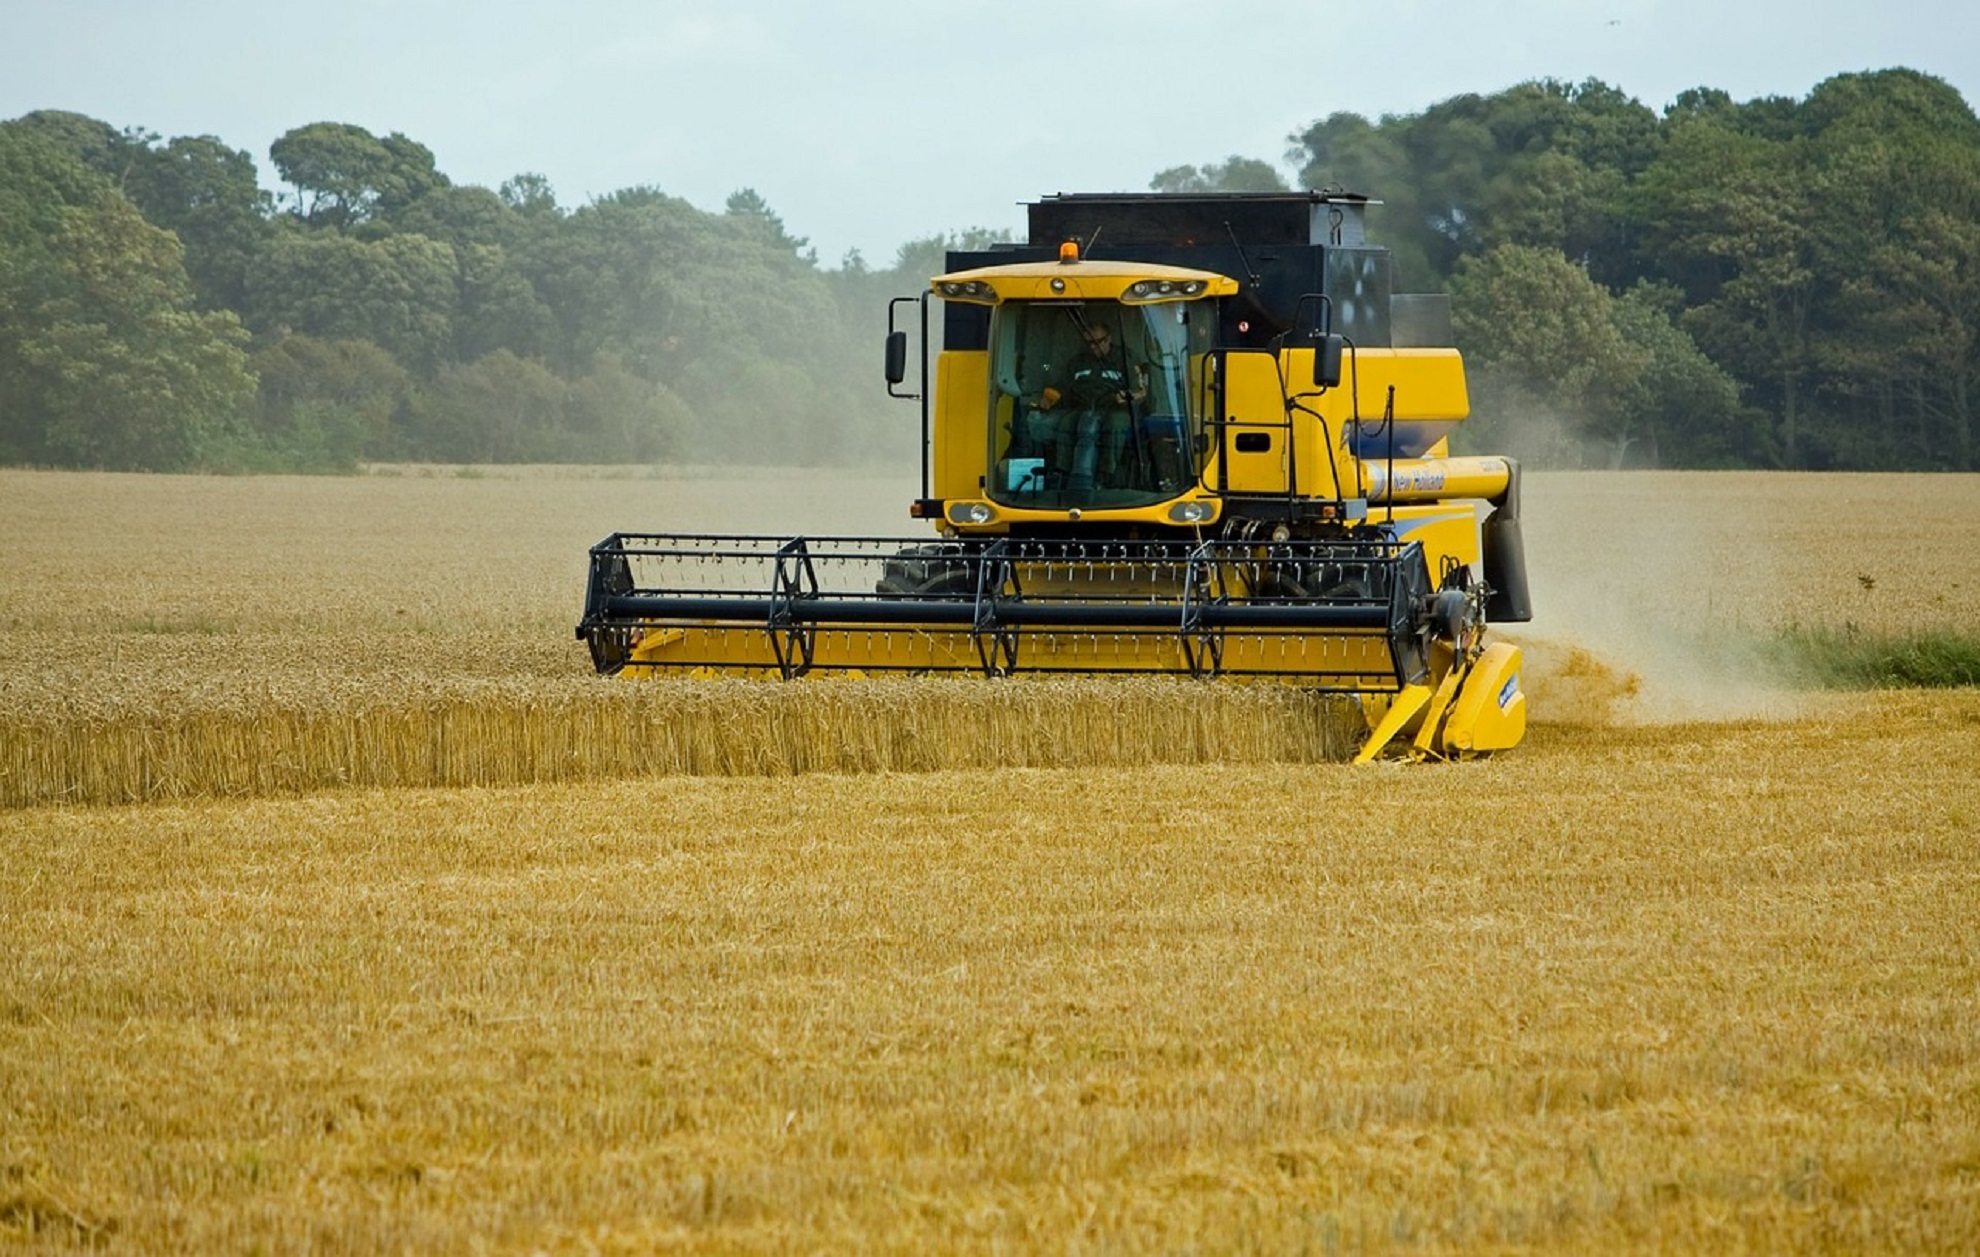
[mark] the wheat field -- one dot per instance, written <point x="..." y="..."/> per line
<point x="183" y="637"/>
<point x="835" y="970"/>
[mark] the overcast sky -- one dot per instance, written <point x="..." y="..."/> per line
<point x="866" y="123"/>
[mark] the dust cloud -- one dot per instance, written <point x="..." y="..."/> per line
<point x="1644" y="603"/>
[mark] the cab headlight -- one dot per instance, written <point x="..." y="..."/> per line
<point x="1157" y="289"/>
<point x="971" y="513"/>
<point x="1194" y="511"/>
<point x="966" y="290"/>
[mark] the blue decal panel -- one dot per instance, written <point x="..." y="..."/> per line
<point x="1412" y="439"/>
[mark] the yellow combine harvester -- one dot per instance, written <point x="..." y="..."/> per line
<point x="1193" y="434"/>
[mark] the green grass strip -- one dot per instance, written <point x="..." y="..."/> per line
<point x="1848" y="658"/>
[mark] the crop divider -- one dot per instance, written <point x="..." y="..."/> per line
<point x="1202" y="644"/>
<point x="995" y="636"/>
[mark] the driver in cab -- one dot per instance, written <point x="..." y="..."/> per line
<point x="1096" y="399"/>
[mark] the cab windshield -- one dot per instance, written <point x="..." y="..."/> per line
<point x="1091" y="404"/>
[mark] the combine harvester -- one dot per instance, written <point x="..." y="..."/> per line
<point x="1188" y="434"/>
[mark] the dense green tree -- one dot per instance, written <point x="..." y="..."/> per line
<point x="1916" y="342"/>
<point x="104" y="361"/>
<point x="1883" y="103"/>
<point x="399" y="292"/>
<point x="748" y="207"/>
<point x="500" y="409"/>
<point x="1818" y="247"/>
<point x="503" y="408"/>
<point x="1540" y="164"/>
<point x="39" y="180"/>
<point x="498" y="307"/>
<point x="530" y="195"/>
<point x="1551" y="369"/>
<point x="616" y="417"/>
<point x="210" y="197"/>
<point x="759" y="351"/>
<point x="719" y="309"/>
<point x="1794" y="230"/>
<point x="1703" y="104"/>
<point x="463" y="217"/>
<point x="345" y="176"/>
<point x="95" y="144"/>
<point x="194" y="186"/>
<point x="608" y="273"/>
<point x="117" y="369"/>
<point x="1556" y="161"/>
<point x="1898" y="312"/>
<point x="1730" y="217"/>
<point x="323" y="404"/>
<point x="1681" y="408"/>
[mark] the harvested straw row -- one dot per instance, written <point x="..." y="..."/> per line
<point x="508" y="735"/>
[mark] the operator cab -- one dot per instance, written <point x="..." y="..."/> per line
<point x="1096" y="404"/>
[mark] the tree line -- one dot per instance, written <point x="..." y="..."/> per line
<point x="1775" y="283"/>
<point x="160" y="311"/>
<point x="1778" y="283"/>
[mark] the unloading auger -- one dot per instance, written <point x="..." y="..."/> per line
<point x="1140" y="464"/>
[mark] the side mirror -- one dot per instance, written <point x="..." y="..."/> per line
<point x="1327" y="351"/>
<point x="897" y="357"/>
